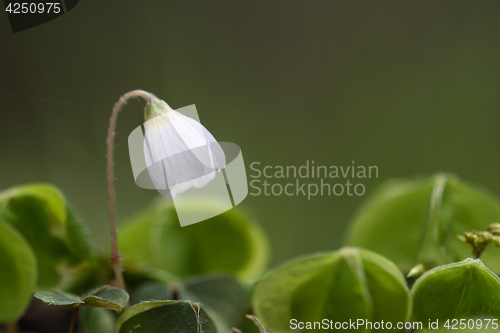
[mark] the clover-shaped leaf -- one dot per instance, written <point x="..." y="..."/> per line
<point x="165" y="317"/>
<point x="222" y="296"/>
<point x="97" y="320"/>
<point x="109" y="298"/>
<point x="18" y="278"/>
<point x="231" y="242"/>
<point x="341" y="286"/>
<point x="417" y="222"/>
<point x="58" y="297"/>
<point x="150" y="291"/>
<point x="41" y="213"/>
<point x="464" y="290"/>
<point x="103" y="297"/>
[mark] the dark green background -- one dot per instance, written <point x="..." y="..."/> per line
<point x="412" y="87"/>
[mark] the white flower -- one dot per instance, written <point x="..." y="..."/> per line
<point x="180" y="152"/>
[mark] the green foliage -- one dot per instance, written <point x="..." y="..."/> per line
<point x="416" y="222"/>
<point x="18" y="273"/>
<point x="59" y="298"/>
<point x="42" y="215"/>
<point x="97" y="320"/>
<point x="103" y="297"/>
<point x="165" y="317"/>
<point x="346" y="284"/>
<point x="230" y="242"/>
<point x="108" y="298"/>
<point x="86" y="276"/>
<point x="463" y="290"/>
<point x="247" y="325"/>
<point x="222" y="296"/>
<point x="151" y="291"/>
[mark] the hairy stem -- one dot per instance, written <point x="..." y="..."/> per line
<point x="73" y="319"/>
<point x="115" y="252"/>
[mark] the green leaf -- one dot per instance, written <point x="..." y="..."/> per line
<point x="247" y="325"/>
<point x="18" y="278"/>
<point x="151" y="291"/>
<point x="86" y="276"/>
<point x="231" y="243"/>
<point x="416" y="222"/>
<point x="165" y="317"/>
<point x="464" y="290"/>
<point x="42" y="215"/>
<point x="343" y="285"/>
<point x="223" y="297"/>
<point x="104" y="297"/>
<point x="133" y="239"/>
<point x="77" y="238"/>
<point x="58" y="298"/>
<point x="109" y="298"/>
<point x="97" y="320"/>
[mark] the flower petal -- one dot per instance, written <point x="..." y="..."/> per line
<point x="180" y="153"/>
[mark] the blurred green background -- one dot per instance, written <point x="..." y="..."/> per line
<point x="412" y="87"/>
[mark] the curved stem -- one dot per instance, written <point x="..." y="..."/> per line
<point x="115" y="252"/>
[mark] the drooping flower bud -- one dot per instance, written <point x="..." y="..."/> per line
<point x="180" y="152"/>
